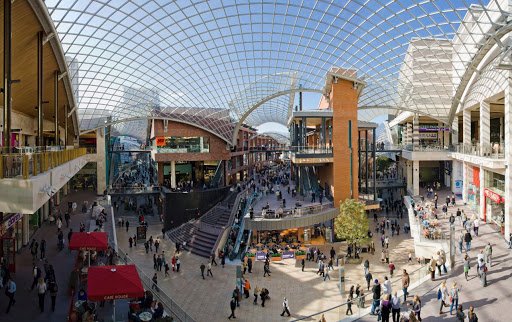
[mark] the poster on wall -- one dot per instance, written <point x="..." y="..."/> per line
<point x="457" y="188"/>
<point x="15" y="139"/>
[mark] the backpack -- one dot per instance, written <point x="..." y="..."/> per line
<point x="439" y="294"/>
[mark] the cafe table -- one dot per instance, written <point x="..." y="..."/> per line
<point x="145" y="316"/>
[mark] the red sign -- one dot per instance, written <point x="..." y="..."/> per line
<point x="160" y="141"/>
<point x="493" y="196"/>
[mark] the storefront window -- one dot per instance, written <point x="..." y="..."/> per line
<point x="183" y="144"/>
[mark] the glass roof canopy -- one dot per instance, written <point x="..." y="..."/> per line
<point x="215" y="63"/>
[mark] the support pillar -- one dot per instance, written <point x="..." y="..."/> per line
<point x="40" y="89"/>
<point x="416" y="133"/>
<point x="409" y="134"/>
<point x="466" y="128"/>
<point x="455" y="131"/>
<point x="465" y="179"/>
<point x="482" y="195"/>
<point x="46" y="211"/>
<point x="26" y="229"/>
<point x="416" y="178"/>
<point x="360" y="167"/>
<point x="374" y="171"/>
<point x="7" y="76"/>
<point x="173" y="174"/>
<point x="408" y="165"/>
<point x="508" y="156"/>
<point x="366" y="161"/>
<point x="56" y="105"/>
<point x="65" y="125"/>
<point x="101" y="162"/>
<point x="485" y="129"/>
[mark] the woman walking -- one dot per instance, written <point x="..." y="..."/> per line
<point x="461" y="316"/>
<point x="41" y="292"/>
<point x="466" y="266"/>
<point x="472" y="315"/>
<point x="454" y="294"/>
<point x="416" y="307"/>
<point x="442" y="294"/>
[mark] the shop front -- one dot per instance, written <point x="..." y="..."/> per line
<point x="11" y="238"/>
<point x="473" y="177"/>
<point x="494" y="211"/>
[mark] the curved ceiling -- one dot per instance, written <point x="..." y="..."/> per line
<point x="137" y="58"/>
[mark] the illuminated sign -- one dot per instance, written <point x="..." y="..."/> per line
<point x="493" y="196"/>
<point x="160" y="141"/>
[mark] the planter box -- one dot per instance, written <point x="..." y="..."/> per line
<point x="276" y="259"/>
<point x="300" y="257"/>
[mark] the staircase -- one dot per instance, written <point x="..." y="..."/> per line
<point x="202" y="234"/>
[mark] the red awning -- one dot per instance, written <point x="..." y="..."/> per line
<point x="89" y="241"/>
<point x="113" y="282"/>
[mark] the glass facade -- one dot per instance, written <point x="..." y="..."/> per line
<point x="185" y="144"/>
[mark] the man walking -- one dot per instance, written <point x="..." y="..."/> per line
<point x="10" y="291"/>
<point x="488" y="254"/>
<point x="232" y="305"/>
<point x="36" y="273"/>
<point x="53" y="294"/>
<point x="202" y="267"/>
<point x="405" y="284"/>
<point x="285" y="307"/>
<point x="303" y="263"/>
<point x="368" y="278"/>
<point x="209" y="270"/>
<point x="42" y="249"/>
<point x="66" y="218"/>
<point x="155" y="282"/>
<point x="376" y="290"/>
<point x="467" y="240"/>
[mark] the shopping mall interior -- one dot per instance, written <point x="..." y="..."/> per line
<point x="276" y="160"/>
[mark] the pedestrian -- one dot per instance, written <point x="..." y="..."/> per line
<point x="349" y="304"/>
<point x="443" y="295"/>
<point x="366" y="266"/>
<point x="391" y="267"/>
<point x="178" y="264"/>
<point x="368" y="278"/>
<point x="167" y="269"/>
<point x="236" y="296"/>
<point x="67" y="218"/>
<point x="247" y="288"/>
<point x="385" y="308"/>
<point x="416" y="307"/>
<point x="53" y="294"/>
<point x="461" y="242"/>
<point x="476" y="224"/>
<point x="482" y="270"/>
<point x="36" y="274"/>
<point x="405" y="284"/>
<point x="461" y="316"/>
<point x="41" y="292"/>
<point x="266" y="269"/>
<point x="395" y="307"/>
<point x="376" y="291"/>
<point x="467" y="239"/>
<point x="466" y="266"/>
<point x="432" y="268"/>
<point x="212" y="257"/>
<point x="303" y="263"/>
<point x="159" y="263"/>
<point x="256" y="293"/>
<point x="472" y="315"/>
<point x="146" y="246"/>
<point x="232" y="305"/>
<point x="155" y="262"/>
<point x="127" y="223"/>
<point x="332" y="252"/>
<point x="488" y="254"/>
<point x="42" y="249"/>
<point x="155" y="282"/>
<point x="130" y="241"/>
<point x="157" y="244"/>
<point x="249" y="263"/>
<point x="327" y="275"/>
<point x="10" y="291"/>
<point x="202" y="267"/>
<point x="209" y="270"/>
<point x="454" y="297"/>
<point x="34" y="245"/>
<point x="286" y="308"/>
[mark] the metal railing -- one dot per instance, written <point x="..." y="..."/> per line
<point x="170" y="306"/>
<point x="428" y="148"/>
<point x="296" y="211"/>
<point x="308" y="149"/>
<point x="28" y="164"/>
<point x="493" y="150"/>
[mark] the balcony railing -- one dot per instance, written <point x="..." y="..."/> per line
<point x="428" y="148"/>
<point x="493" y="150"/>
<point x="23" y="164"/>
<point x="312" y="150"/>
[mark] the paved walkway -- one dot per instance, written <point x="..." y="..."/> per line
<point x="492" y="303"/>
<point x="208" y="300"/>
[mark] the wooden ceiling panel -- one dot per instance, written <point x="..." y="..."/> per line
<point x="25" y="27"/>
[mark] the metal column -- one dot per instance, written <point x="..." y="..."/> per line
<point x="7" y="75"/>
<point x="359" y="175"/>
<point x="374" y="172"/>
<point x="40" y="88"/>
<point x="56" y="105"/>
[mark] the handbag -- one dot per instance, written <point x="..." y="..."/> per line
<point x="439" y="294"/>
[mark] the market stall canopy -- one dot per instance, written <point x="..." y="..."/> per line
<point x="89" y="241"/>
<point x="114" y="282"/>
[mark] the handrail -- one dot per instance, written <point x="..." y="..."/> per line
<point x="171" y="307"/>
<point x="241" y="223"/>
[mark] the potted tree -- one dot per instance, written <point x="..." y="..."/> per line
<point x="352" y="224"/>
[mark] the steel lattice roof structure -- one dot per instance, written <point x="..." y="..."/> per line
<point x="221" y="62"/>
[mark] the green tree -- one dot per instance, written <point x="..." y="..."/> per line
<point x="352" y="223"/>
<point x="383" y="163"/>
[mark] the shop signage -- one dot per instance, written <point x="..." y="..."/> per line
<point x="261" y="256"/>
<point x="10" y="222"/>
<point x="160" y="141"/>
<point x="288" y="254"/>
<point x="428" y="135"/>
<point x="493" y="196"/>
<point x="433" y="128"/>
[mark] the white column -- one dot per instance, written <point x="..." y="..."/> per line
<point x="404" y="135"/>
<point x="508" y="156"/>
<point x="455" y="130"/>
<point x="101" y="162"/>
<point x="409" y="134"/>
<point x="416" y="133"/>
<point x="482" y="196"/>
<point x="173" y="174"/>
<point x="416" y="177"/>
<point x="46" y="210"/>
<point x="465" y="182"/>
<point x="65" y="188"/>
<point x="26" y="229"/>
<point x="408" y="165"/>
<point x="466" y="127"/>
<point x="485" y="128"/>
